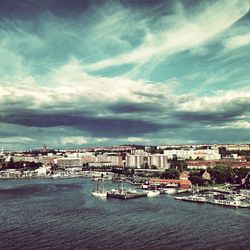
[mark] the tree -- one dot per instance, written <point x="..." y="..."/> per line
<point x="221" y="174"/>
<point x="196" y="177"/>
<point x="11" y="163"/>
<point x="239" y="174"/>
<point x="170" y="174"/>
<point x="154" y="167"/>
<point x="217" y="174"/>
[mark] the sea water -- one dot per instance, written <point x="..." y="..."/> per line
<point x="62" y="214"/>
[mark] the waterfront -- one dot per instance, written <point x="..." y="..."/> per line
<point x="62" y="214"/>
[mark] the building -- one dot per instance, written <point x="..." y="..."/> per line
<point x="87" y="158"/>
<point x="69" y="162"/>
<point x="184" y="175"/>
<point x="241" y="165"/>
<point x="199" y="164"/>
<point x="183" y="184"/>
<point x="206" y="176"/>
<point x="116" y="160"/>
<point x="100" y="164"/>
<point x="48" y="160"/>
<point x="134" y="161"/>
<point x="192" y="154"/>
<point x="42" y="171"/>
<point x="138" y="152"/>
<point x="179" y="153"/>
<point x="158" y="160"/>
<point x="236" y="147"/>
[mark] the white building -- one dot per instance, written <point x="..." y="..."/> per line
<point x="135" y="161"/>
<point x="158" y="160"/>
<point x="101" y="158"/>
<point x="140" y="152"/>
<point x="116" y="160"/>
<point x="42" y="171"/>
<point x="68" y="162"/>
<point x="180" y="153"/>
<point x="206" y="154"/>
<point x="237" y="147"/>
<point x="138" y="161"/>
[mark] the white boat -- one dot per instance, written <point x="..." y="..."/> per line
<point x="133" y="191"/>
<point x="56" y="175"/>
<point x="121" y="193"/>
<point x="193" y="198"/>
<point x="153" y="193"/>
<point x="230" y="200"/>
<point x="169" y="190"/>
<point x="99" y="192"/>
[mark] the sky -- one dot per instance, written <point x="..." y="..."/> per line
<point x="85" y="73"/>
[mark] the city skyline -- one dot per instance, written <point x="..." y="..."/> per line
<point x="85" y="73"/>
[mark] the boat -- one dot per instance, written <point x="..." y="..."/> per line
<point x="124" y="195"/>
<point x="153" y="193"/>
<point x="99" y="192"/>
<point x="233" y="200"/>
<point x="169" y="190"/>
<point x="193" y="198"/>
<point x="228" y="200"/>
<point x="121" y="193"/>
<point x="132" y="191"/>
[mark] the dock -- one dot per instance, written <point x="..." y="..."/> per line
<point x="125" y="195"/>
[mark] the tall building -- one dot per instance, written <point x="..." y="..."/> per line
<point x="135" y="161"/>
<point x="158" y="160"/>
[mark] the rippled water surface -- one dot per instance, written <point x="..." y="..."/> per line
<point x="62" y="214"/>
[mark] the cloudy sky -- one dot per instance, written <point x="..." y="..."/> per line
<point x="79" y="73"/>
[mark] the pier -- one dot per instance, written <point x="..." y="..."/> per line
<point x="124" y="195"/>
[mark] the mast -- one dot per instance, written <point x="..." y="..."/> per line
<point x="102" y="185"/>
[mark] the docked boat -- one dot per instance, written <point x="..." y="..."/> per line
<point x="124" y="195"/>
<point x="169" y="190"/>
<point x="121" y="193"/>
<point x="193" y="198"/>
<point x="99" y="192"/>
<point x="132" y="191"/>
<point x="153" y="193"/>
<point x="228" y="200"/>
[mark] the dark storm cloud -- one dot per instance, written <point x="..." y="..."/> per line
<point x="97" y="126"/>
<point x="203" y="117"/>
<point x="126" y="107"/>
<point x="228" y="113"/>
<point x="26" y="9"/>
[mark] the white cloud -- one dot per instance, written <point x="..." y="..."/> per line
<point x="232" y="125"/>
<point x="102" y="139"/>
<point x="220" y="102"/>
<point x="16" y="139"/>
<point x="70" y="86"/>
<point x="236" y="42"/>
<point x="72" y="89"/>
<point x="240" y="124"/>
<point x="78" y="140"/>
<point x="185" y="34"/>
<point x="137" y="139"/>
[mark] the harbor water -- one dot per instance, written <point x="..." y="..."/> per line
<point x="62" y="214"/>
